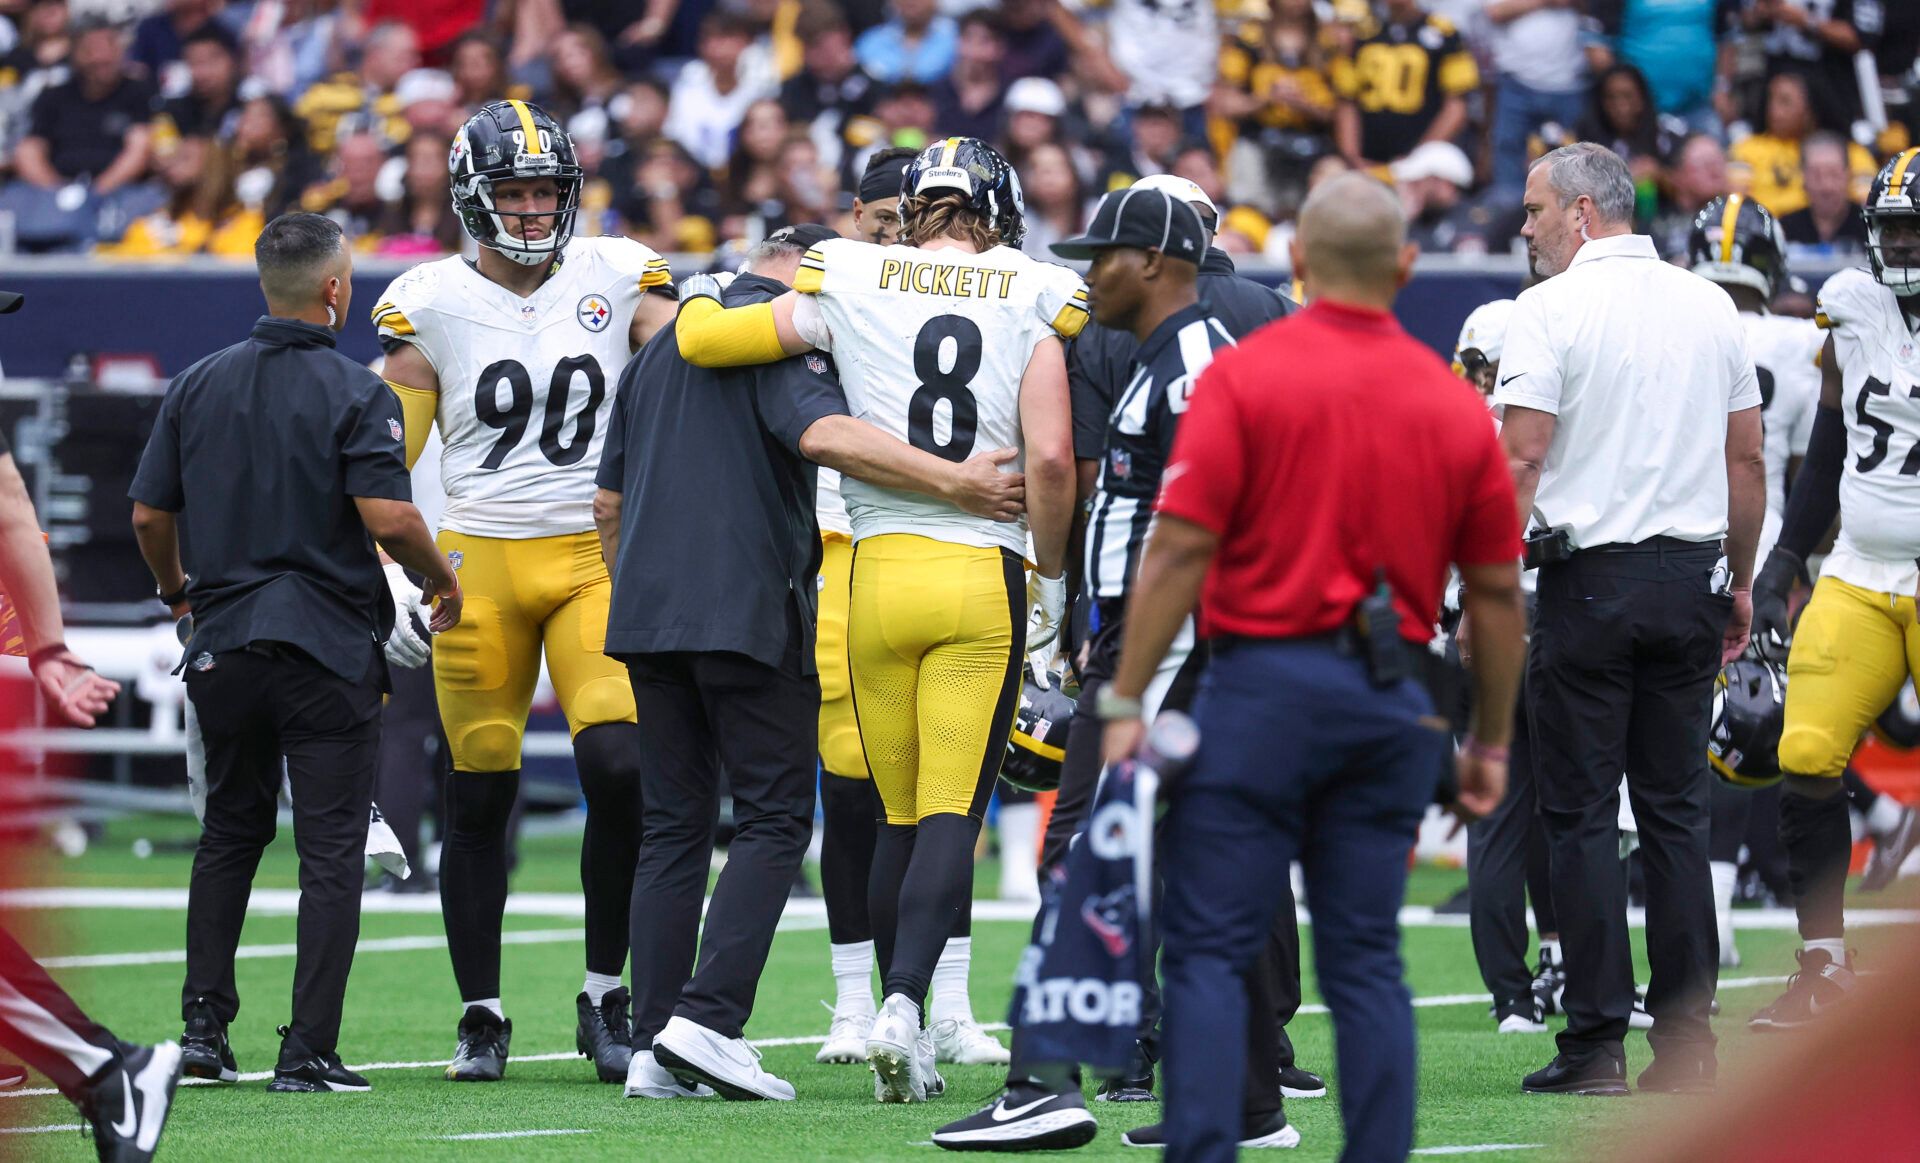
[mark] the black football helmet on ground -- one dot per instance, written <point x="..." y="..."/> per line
<point x="1736" y="242"/>
<point x="1038" y="744"/>
<point x="971" y="167"/>
<point x="1749" y="711"/>
<point x="1892" y="211"/>
<point x="505" y="141"/>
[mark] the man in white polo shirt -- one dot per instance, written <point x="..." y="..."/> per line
<point x="1633" y="424"/>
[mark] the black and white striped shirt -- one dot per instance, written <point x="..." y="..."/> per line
<point x="1139" y="440"/>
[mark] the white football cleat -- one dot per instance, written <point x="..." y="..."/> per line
<point x="894" y="1047"/>
<point x="846" y="1038"/>
<point x="963" y="1042"/>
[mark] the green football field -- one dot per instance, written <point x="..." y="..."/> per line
<point x="124" y="965"/>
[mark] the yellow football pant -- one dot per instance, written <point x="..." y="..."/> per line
<point x="840" y="752"/>
<point x="936" y="635"/>
<point x="1851" y="652"/>
<point x="521" y="596"/>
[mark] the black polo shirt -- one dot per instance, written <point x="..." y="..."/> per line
<point x="717" y="532"/>
<point x="1800" y="230"/>
<point x="261" y="448"/>
<point x="1101" y="360"/>
<point x="85" y="136"/>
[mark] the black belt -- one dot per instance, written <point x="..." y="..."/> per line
<point x="1344" y="641"/>
<point x="1660" y="544"/>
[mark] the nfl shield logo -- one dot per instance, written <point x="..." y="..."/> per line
<point x="527" y="313"/>
<point x="456" y="559"/>
<point x="1121" y="462"/>
<point x="816" y="365"/>
<point x="594" y="313"/>
<point x="393" y="426"/>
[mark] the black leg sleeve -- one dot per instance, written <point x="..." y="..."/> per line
<point x="851" y="814"/>
<point x="892" y="853"/>
<point x="1732" y="807"/>
<point x="473" y="876"/>
<point x="608" y="756"/>
<point x="1818" y="840"/>
<point x="933" y="896"/>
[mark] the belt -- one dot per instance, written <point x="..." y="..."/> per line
<point x="1344" y="641"/>
<point x="1660" y="544"/>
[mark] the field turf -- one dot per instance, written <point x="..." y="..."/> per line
<point x="402" y="1007"/>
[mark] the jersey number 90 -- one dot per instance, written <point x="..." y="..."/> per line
<point x="512" y="419"/>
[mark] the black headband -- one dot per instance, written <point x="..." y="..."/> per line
<point x="883" y="181"/>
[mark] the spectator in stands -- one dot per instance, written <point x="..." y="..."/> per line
<point x="1170" y="55"/>
<point x="1056" y="203"/>
<point x="289" y="45"/>
<point x="160" y="40"/>
<point x="351" y="195"/>
<point x="1819" y="38"/>
<point x="436" y="25"/>
<point x="364" y="101"/>
<point x="1696" y="176"/>
<point x="1767" y="165"/>
<point x="269" y="158"/>
<point x="202" y="214"/>
<point x="1276" y="91"/>
<point x="584" y="83"/>
<point x="211" y="103"/>
<point x="1405" y="84"/>
<point x="479" y="71"/>
<point x="1034" y="107"/>
<point x="428" y="101"/>
<point x="710" y="95"/>
<point x="1676" y="46"/>
<point x="1622" y="117"/>
<point x="1432" y="180"/>
<point x="1239" y="228"/>
<point x="808" y="187"/>
<point x="86" y="149"/>
<point x="421" y="222"/>
<point x="904" y="117"/>
<point x="1831" y="220"/>
<point x="969" y="99"/>
<point x="1152" y="137"/>
<point x="37" y="61"/>
<point x="753" y="174"/>
<point x="640" y="116"/>
<point x="636" y="29"/>
<point x="671" y="206"/>
<point x="1541" y="78"/>
<point x="915" y="44"/>
<point x="831" y="94"/>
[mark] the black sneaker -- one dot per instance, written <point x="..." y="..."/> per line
<point x="1267" y="1131"/>
<point x="1024" y="1117"/>
<point x="481" y="1055"/>
<point x="127" y="1103"/>
<point x="1298" y="1083"/>
<point x="605" y="1033"/>
<point x="1127" y="1089"/>
<point x="1821" y="985"/>
<point x="1597" y="1074"/>
<point x="203" y="1045"/>
<point x="1549" y="982"/>
<point x="304" y="1071"/>
<point x="1678" y="1073"/>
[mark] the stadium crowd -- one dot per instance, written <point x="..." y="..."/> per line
<point x="139" y="130"/>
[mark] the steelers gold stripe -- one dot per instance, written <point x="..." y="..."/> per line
<point x="1728" y="217"/>
<point x="1043" y="750"/>
<point x="1896" y="184"/>
<point x="953" y="147"/>
<point x="527" y="126"/>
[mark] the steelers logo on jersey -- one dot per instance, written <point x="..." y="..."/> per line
<point x="594" y="313"/>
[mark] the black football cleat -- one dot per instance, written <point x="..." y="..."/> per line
<point x="1024" y="1117"/>
<point x="1298" y="1083"/>
<point x="1600" y="1075"/>
<point x="1821" y="986"/>
<point x="1678" y="1073"/>
<point x="128" y="1101"/>
<point x="304" y="1071"/>
<point x="203" y="1045"/>
<point x="604" y="1033"/>
<point x="481" y="1055"/>
<point x="1272" y="1131"/>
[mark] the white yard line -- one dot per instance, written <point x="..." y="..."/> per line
<point x="1478" y="1148"/>
<point x="46" y="1130"/>
<point x="476" y="1136"/>
<point x="255" y="952"/>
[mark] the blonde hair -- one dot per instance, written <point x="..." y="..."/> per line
<point x="944" y="215"/>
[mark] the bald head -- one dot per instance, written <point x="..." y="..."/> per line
<point x="1352" y="240"/>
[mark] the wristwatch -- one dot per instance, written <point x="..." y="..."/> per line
<point x="176" y="597"/>
<point x="1110" y="704"/>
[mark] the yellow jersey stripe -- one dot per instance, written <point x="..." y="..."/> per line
<point x="394" y="323"/>
<point x="1821" y="321"/>
<point x="808" y="280"/>
<point x="1728" y="217"/>
<point x="1043" y="750"/>
<point x="527" y="127"/>
<point x="655" y="277"/>
<point x="1069" y="320"/>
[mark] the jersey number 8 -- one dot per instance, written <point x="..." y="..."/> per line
<point x="951" y="385"/>
<point x="512" y="419"/>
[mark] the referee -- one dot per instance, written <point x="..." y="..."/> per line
<point x="1633" y="427"/>
<point x="273" y="467"/>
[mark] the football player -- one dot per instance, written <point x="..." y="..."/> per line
<point x="1738" y="244"/>
<point x="513" y="355"/>
<point x="937" y="622"/>
<point x="848" y="804"/>
<point x="1857" y="641"/>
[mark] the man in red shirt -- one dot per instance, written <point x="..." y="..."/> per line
<point x="1330" y="462"/>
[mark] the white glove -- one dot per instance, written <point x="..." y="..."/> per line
<point x="406" y="647"/>
<point x="383" y="846"/>
<point x="1047" y="599"/>
<point x="1040" y="664"/>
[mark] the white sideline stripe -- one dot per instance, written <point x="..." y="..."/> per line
<point x="1478" y="1149"/>
<point x="254" y="952"/>
<point x="478" y="1135"/>
<point x="46" y="1130"/>
<point x="798" y="913"/>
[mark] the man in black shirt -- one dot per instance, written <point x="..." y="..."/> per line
<point x="719" y="644"/>
<point x="831" y="93"/>
<point x="1831" y="219"/>
<point x="273" y="467"/>
<point x="211" y="101"/>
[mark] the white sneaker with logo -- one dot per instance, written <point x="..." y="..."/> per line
<point x="963" y="1042"/>
<point x="694" y="1054"/>
<point x="646" y="1078"/>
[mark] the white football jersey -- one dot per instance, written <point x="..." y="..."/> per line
<point x="1879" y="361"/>
<point x="932" y="346"/>
<point x="828" y="508"/>
<point x="526" y="385"/>
<point x="1786" y="360"/>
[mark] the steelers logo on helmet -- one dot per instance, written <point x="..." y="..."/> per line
<point x="1037" y="746"/>
<point x="511" y="141"/>
<point x="1749" y="712"/>
<point x="1892" y="212"/>
<point x="978" y="172"/>
<point x="1736" y="242"/>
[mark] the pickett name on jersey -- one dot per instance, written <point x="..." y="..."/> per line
<point x="928" y="278"/>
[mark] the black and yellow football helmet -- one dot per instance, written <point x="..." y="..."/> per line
<point x="1892" y="211"/>
<point x="1749" y="712"/>
<point x="1735" y="241"/>
<point x="1037" y="747"/>
<point x="505" y="141"/>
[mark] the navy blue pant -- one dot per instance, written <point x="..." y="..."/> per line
<point x="1300" y="758"/>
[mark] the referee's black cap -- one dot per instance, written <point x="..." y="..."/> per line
<point x="806" y="235"/>
<point x="1143" y="219"/>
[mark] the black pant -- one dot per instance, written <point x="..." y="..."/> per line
<point x="1507" y="863"/>
<point x="1620" y="679"/>
<point x="255" y="706"/>
<point x="703" y="712"/>
<point x="45" y="1027"/>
